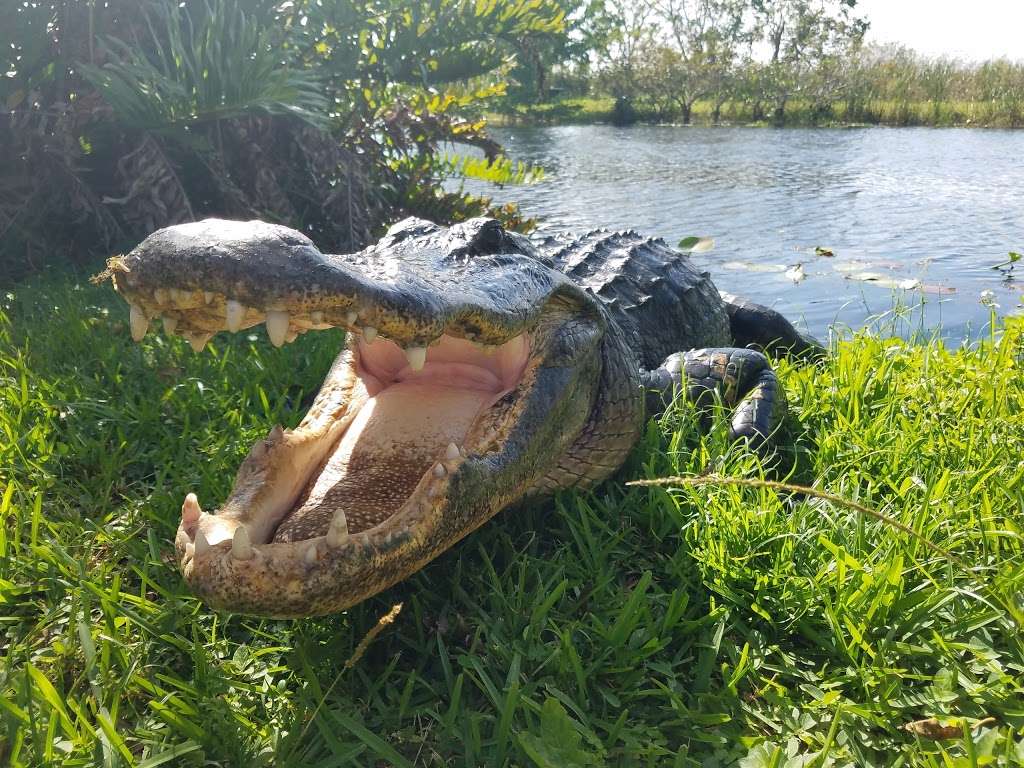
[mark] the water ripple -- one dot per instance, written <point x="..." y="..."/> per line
<point x="933" y="205"/>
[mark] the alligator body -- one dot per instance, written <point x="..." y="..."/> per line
<point x="480" y="369"/>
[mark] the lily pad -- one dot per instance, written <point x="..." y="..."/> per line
<point x="903" y="284"/>
<point x="694" y="244"/>
<point x="859" y="265"/>
<point x="940" y="290"/>
<point x="886" y="281"/>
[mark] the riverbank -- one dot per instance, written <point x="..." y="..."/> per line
<point x="621" y="627"/>
<point x="960" y="114"/>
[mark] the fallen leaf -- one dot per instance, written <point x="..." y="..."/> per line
<point x="933" y="728"/>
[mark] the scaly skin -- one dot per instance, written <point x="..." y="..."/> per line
<point x="563" y="344"/>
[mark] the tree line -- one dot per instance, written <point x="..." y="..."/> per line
<point x="758" y="60"/>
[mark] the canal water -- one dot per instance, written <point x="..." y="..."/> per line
<point x="834" y="227"/>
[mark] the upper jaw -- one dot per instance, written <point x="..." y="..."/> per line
<point x="214" y="275"/>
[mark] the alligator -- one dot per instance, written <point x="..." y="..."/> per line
<point x="481" y="369"/>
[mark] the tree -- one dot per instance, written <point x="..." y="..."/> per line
<point x="626" y="46"/>
<point x="129" y="115"/>
<point x="800" y="35"/>
<point x="585" y="28"/>
<point x="706" y="36"/>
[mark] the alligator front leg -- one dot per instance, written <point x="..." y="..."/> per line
<point x="741" y="378"/>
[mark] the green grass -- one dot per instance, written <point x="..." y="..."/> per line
<point x="582" y="110"/>
<point x="629" y="626"/>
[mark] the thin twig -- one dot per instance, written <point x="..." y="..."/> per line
<point x="375" y="630"/>
<point x="752" y="482"/>
<point x="385" y="620"/>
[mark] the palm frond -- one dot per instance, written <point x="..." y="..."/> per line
<point x="202" y="63"/>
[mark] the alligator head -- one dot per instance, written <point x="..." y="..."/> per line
<point x="473" y="375"/>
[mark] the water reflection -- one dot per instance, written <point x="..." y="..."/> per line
<point x="926" y="207"/>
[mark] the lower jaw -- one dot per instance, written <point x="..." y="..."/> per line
<point x="394" y="440"/>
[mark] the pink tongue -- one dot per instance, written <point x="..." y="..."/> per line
<point x="390" y="445"/>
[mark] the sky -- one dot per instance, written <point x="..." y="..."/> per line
<point x="968" y="29"/>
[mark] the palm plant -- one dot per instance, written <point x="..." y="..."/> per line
<point x="201" y="63"/>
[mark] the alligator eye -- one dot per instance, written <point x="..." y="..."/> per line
<point x="489" y="238"/>
<point x="477" y="237"/>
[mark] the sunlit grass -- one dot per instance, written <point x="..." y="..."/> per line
<point x="798" y="112"/>
<point x="696" y="625"/>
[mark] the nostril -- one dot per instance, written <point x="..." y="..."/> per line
<point x="490" y="237"/>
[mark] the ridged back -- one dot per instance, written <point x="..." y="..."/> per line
<point x="653" y="292"/>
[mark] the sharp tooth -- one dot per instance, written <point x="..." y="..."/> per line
<point x="190" y="551"/>
<point x="234" y="315"/>
<point x="160" y="295"/>
<point x="190" y="510"/>
<point x="178" y="296"/>
<point x="292" y="336"/>
<point x="452" y="452"/>
<point x="198" y="341"/>
<point x="208" y="296"/>
<point x="337" y="533"/>
<point x="138" y="322"/>
<point x="416" y="356"/>
<point x="202" y="544"/>
<point x="439" y="470"/>
<point x="351" y="317"/>
<point x="241" y="545"/>
<point x="277" y="326"/>
<point x="311" y="554"/>
<point x="170" y="323"/>
<point x="369" y="334"/>
<point x="317" y="318"/>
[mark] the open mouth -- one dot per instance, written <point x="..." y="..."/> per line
<point x="388" y="428"/>
<point x="369" y="465"/>
<point x="418" y="411"/>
